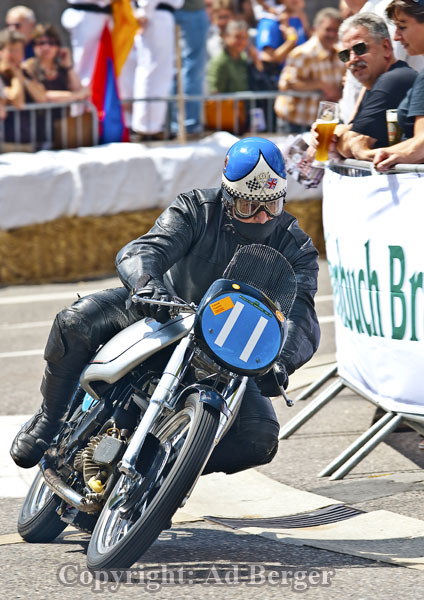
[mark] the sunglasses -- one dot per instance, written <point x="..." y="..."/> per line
<point x="359" y="49"/>
<point x="46" y="43"/>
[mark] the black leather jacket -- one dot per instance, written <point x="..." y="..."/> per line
<point x="193" y="241"/>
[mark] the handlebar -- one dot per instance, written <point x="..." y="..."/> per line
<point x="176" y="306"/>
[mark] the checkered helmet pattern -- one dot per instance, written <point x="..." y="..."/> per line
<point x="254" y="169"/>
<point x="252" y="184"/>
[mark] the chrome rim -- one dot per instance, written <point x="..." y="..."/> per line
<point x="38" y="496"/>
<point x="113" y="525"/>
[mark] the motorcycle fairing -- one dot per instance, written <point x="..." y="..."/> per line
<point x="240" y="327"/>
<point x="130" y="347"/>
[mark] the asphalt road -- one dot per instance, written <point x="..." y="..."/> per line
<point x="202" y="559"/>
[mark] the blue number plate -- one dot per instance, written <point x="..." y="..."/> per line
<point x="241" y="330"/>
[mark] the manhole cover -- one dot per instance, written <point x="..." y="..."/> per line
<point x="321" y="516"/>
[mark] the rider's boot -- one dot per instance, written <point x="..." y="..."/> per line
<point x="35" y="436"/>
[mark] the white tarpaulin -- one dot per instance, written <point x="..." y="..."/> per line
<point x="104" y="180"/>
<point x="373" y="227"/>
<point x="110" y="179"/>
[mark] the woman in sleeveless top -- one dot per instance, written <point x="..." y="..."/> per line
<point x="52" y="66"/>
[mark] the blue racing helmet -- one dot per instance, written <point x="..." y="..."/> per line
<point x="254" y="177"/>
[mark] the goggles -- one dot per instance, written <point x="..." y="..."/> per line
<point x="359" y="49"/>
<point x="245" y="208"/>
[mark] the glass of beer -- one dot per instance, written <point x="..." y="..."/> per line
<point x="394" y="131"/>
<point x="327" y="119"/>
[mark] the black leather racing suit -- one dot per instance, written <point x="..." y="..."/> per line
<point x="191" y="244"/>
<point x="188" y="248"/>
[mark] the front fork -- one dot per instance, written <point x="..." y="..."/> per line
<point x="233" y="395"/>
<point x="164" y="391"/>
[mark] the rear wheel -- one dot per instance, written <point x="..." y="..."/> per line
<point x="38" y="520"/>
<point x="135" y="515"/>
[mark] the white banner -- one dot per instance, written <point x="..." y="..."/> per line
<point x="374" y="232"/>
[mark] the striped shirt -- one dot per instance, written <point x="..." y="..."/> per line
<point x="308" y="62"/>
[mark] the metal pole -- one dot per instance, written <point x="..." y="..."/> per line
<point x="63" y="128"/>
<point x="94" y="124"/>
<point x="358" y="443"/>
<point x="79" y="130"/>
<point x="49" y="128"/>
<point x="308" y="412"/>
<point x="180" y="92"/>
<point x="1" y="135"/>
<point x="317" y="384"/>
<point x="366" y="449"/>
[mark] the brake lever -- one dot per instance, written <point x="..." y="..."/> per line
<point x="289" y="402"/>
<point x="175" y="307"/>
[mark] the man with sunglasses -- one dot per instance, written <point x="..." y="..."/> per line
<point x="22" y="19"/>
<point x="187" y="249"/>
<point x="368" y="54"/>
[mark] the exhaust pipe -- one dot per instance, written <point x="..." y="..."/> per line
<point x="65" y="492"/>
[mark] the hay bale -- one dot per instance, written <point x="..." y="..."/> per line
<point x="69" y="248"/>
<point x="309" y="215"/>
<point x="75" y="248"/>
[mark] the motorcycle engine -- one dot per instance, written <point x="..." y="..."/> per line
<point x="97" y="459"/>
<point x="83" y="461"/>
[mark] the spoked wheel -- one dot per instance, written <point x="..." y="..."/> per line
<point x="38" y="520"/>
<point x="134" y="516"/>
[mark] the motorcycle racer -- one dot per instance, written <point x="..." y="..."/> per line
<point x="188" y="248"/>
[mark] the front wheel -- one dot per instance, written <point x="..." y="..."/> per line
<point x="38" y="520"/>
<point x="125" y="530"/>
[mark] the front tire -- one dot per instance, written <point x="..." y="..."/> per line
<point x="122" y="536"/>
<point x="38" y="521"/>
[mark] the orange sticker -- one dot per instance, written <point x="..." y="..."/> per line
<point x="279" y="316"/>
<point x="222" y="305"/>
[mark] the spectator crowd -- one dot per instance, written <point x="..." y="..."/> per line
<point x="367" y="56"/>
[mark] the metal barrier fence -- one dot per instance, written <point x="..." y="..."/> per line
<point x="71" y="124"/>
<point x="53" y="125"/>
<point x="362" y="168"/>
<point x="61" y="125"/>
<point x="238" y="112"/>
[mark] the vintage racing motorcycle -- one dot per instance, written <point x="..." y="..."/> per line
<point x="150" y="408"/>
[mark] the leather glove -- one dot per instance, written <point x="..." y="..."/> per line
<point x="148" y="287"/>
<point x="274" y="381"/>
